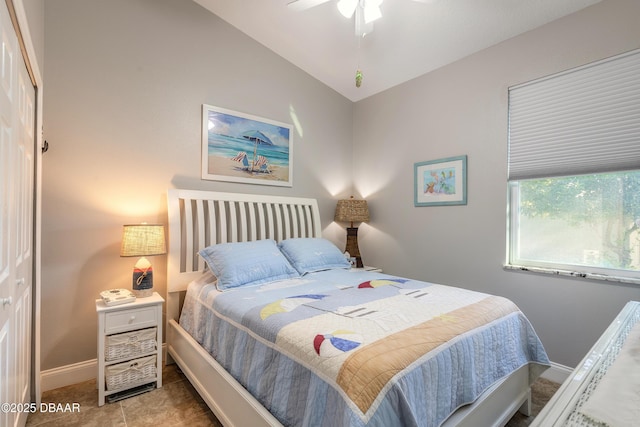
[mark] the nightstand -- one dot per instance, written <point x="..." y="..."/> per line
<point x="129" y="348"/>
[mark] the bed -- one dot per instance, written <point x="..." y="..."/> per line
<point x="326" y="364"/>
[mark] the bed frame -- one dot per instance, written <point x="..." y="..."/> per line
<point x="198" y="219"/>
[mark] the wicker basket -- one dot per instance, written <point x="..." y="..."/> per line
<point x="130" y="344"/>
<point x="128" y="374"/>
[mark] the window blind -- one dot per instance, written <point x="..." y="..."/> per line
<point x="584" y="120"/>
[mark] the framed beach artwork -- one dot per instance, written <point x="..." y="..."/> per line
<point x="239" y="147"/>
<point x="441" y="182"/>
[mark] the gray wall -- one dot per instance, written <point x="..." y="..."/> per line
<point x="462" y="109"/>
<point x="125" y="82"/>
<point x="34" y="10"/>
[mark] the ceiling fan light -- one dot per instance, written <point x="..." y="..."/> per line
<point x="347" y="7"/>
<point x="371" y="13"/>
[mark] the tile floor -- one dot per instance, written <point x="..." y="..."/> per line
<point x="177" y="404"/>
<point x="541" y="391"/>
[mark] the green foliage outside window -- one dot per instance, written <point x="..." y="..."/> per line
<point x="602" y="208"/>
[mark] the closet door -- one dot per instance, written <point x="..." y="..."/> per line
<point x="24" y="185"/>
<point x="17" y="104"/>
<point x="8" y="172"/>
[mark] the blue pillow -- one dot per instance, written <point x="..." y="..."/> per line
<point x="313" y="254"/>
<point x="247" y="263"/>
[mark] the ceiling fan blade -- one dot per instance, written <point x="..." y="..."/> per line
<point x="304" y="4"/>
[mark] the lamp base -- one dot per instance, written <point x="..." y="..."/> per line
<point x="142" y="279"/>
<point x="142" y="283"/>
<point x="142" y="293"/>
<point x="352" y="245"/>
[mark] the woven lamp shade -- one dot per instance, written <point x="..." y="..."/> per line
<point x="352" y="210"/>
<point x="143" y="240"/>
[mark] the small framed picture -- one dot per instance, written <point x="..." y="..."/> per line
<point x="441" y="182"/>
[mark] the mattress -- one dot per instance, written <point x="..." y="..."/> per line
<point x="356" y="348"/>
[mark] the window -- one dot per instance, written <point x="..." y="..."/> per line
<point x="574" y="171"/>
<point x="588" y="221"/>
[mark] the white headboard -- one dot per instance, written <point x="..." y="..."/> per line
<point x="198" y="219"/>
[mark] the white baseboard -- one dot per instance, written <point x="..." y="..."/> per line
<point x="69" y="374"/>
<point x="557" y="373"/>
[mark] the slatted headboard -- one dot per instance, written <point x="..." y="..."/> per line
<point x="198" y="219"/>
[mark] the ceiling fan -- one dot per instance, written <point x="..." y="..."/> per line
<point x="366" y="11"/>
<point x="306" y="4"/>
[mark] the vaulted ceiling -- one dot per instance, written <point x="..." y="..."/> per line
<point x="411" y="39"/>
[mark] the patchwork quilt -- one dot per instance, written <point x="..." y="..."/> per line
<point x="355" y="348"/>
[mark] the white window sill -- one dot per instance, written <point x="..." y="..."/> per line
<point x="569" y="273"/>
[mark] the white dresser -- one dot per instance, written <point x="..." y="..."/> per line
<point x="564" y="408"/>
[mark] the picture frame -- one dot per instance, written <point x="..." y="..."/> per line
<point x="441" y="182"/>
<point x="239" y="147"/>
